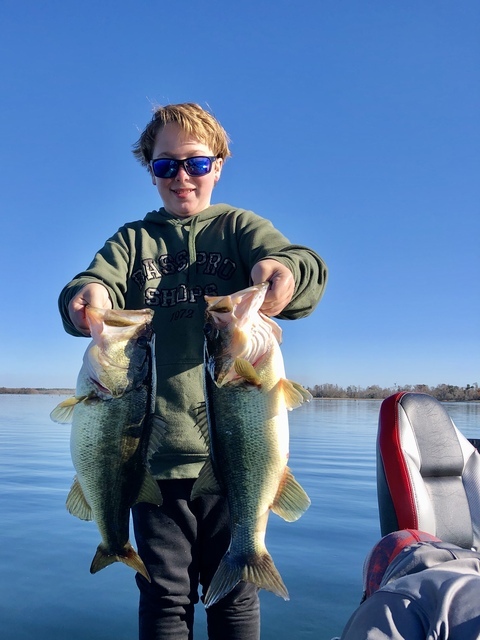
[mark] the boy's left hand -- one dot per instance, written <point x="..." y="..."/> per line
<point x="282" y="285"/>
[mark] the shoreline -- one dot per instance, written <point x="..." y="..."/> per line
<point x="27" y="391"/>
<point x="57" y="391"/>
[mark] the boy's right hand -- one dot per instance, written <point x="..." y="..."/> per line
<point x="93" y="294"/>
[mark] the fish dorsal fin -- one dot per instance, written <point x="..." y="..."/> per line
<point x="206" y="484"/>
<point x="201" y="423"/>
<point x="63" y="412"/>
<point x="246" y="370"/>
<point x="294" y="394"/>
<point x="150" y="491"/>
<point x="291" y="501"/>
<point x="157" y="436"/>
<point x="77" y="504"/>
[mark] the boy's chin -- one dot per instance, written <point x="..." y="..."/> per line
<point x="186" y="211"/>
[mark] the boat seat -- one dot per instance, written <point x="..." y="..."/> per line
<point x="428" y="473"/>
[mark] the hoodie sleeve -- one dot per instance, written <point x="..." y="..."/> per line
<point x="259" y="239"/>
<point x="110" y="267"/>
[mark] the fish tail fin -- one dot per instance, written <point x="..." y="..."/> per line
<point x="259" y="570"/>
<point x="128" y="556"/>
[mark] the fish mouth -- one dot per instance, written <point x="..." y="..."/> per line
<point x="116" y="318"/>
<point x="238" y="306"/>
<point x="234" y="329"/>
<point x="112" y="368"/>
<point x="104" y="391"/>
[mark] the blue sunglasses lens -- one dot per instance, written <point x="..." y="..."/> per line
<point x="168" y="168"/>
<point x="165" y="168"/>
<point x="199" y="166"/>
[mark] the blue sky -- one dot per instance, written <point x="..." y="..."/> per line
<point x="355" y="129"/>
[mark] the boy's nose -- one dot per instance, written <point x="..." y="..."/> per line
<point x="181" y="173"/>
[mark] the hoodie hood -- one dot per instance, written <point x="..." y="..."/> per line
<point x="161" y="216"/>
<point x="383" y="554"/>
<point x="191" y="224"/>
<point x="424" y="555"/>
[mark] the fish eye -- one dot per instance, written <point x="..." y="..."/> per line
<point x="207" y="328"/>
<point x="142" y="342"/>
<point x="211" y="332"/>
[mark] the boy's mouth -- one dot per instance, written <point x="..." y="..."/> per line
<point x="182" y="192"/>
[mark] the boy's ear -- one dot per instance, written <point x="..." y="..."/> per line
<point x="218" y="168"/>
<point x="152" y="176"/>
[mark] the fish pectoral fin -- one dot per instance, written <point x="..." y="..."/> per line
<point x="294" y="394"/>
<point x="150" y="491"/>
<point x="206" y="484"/>
<point x="246" y="370"/>
<point x="63" y="412"/>
<point x="291" y="501"/>
<point x="77" y="504"/>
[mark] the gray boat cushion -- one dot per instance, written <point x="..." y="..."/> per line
<point x="428" y="473"/>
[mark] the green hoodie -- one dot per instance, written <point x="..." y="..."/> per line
<point x="168" y="264"/>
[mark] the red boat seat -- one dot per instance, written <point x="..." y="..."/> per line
<point x="428" y="473"/>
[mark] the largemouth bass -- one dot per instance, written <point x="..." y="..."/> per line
<point x="110" y="415"/>
<point x="247" y="402"/>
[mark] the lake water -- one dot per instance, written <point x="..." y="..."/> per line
<point x="46" y="590"/>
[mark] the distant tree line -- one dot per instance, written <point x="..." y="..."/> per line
<point x="33" y="391"/>
<point x="442" y="392"/>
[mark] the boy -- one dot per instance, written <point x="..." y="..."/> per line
<point x="168" y="262"/>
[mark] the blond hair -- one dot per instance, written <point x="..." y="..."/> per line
<point x="194" y="121"/>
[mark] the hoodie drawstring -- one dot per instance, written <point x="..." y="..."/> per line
<point x="192" y="251"/>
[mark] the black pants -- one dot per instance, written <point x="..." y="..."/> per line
<point x="181" y="544"/>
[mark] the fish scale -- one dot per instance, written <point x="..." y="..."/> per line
<point x="100" y="437"/>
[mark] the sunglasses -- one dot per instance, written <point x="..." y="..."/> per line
<point x="196" y="166"/>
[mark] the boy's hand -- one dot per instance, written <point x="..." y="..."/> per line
<point x="282" y="285"/>
<point x="93" y="294"/>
